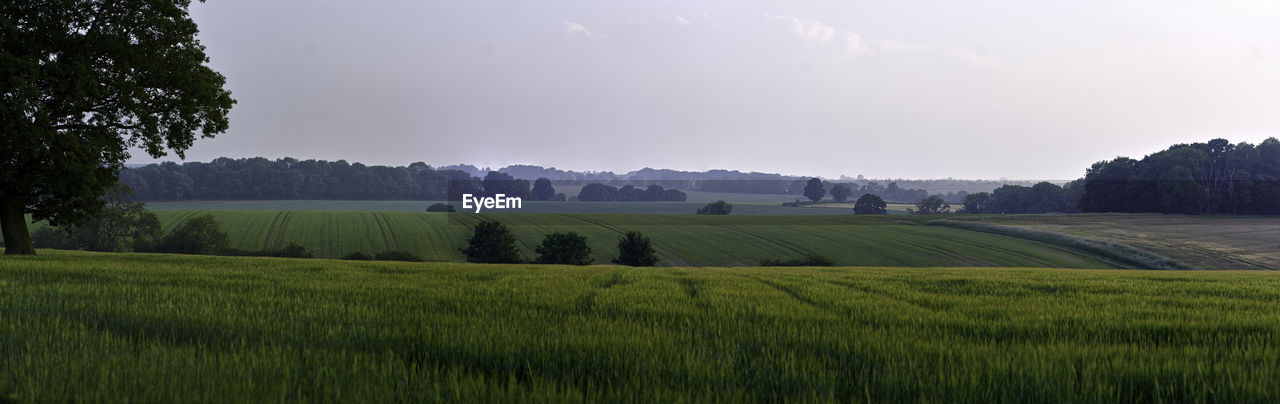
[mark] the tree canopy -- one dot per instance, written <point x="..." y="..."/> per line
<point x="814" y="190"/>
<point x="1215" y="177"/>
<point x="83" y="82"/>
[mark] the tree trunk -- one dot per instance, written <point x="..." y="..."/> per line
<point x="13" y="223"/>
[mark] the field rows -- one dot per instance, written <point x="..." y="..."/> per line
<point x="147" y="327"/>
<point x="683" y="240"/>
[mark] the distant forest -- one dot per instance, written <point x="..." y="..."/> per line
<point x="288" y="178"/>
<point x="1216" y="177"/>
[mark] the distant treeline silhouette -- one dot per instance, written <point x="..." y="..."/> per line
<point x="287" y="178"/>
<point x="1214" y="178"/>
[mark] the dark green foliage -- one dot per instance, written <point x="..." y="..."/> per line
<point x="357" y="256"/>
<point x="197" y="235"/>
<point x="567" y="248"/>
<point x="396" y="255"/>
<point x="598" y="193"/>
<point x="83" y="82"/>
<point x="635" y="250"/>
<point x="492" y="243"/>
<point x="841" y="192"/>
<point x="440" y="207"/>
<point x="977" y="203"/>
<point x="809" y="260"/>
<point x="869" y="204"/>
<point x="933" y="205"/>
<point x="814" y="190"/>
<point x="122" y="225"/>
<point x="1213" y="177"/>
<point x="628" y="193"/>
<point x="542" y="190"/>
<point x="293" y="250"/>
<point x="716" y="208"/>
<point x="496" y="183"/>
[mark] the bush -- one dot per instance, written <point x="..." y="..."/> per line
<point x="440" y="207"/>
<point x="492" y="243"/>
<point x="716" y="208"/>
<point x="357" y="256"/>
<point x="809" y="260"/>
<point x="932" y="205"/>
<point x="635" y="250"/>
<point x="565" y="249"/>
<point x="50" y="237"/>
<point x="293" y="250"/>
<point x="397" y="255"/>
<point x="197" y="235"/>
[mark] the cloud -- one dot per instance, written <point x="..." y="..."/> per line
<point x="576" y="28"/>
<point x="815" y="31"/>
<point x="679" y="20"/>
<point x="819" y="33"/>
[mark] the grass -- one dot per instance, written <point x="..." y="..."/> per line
<point x="162" y="328"/>
<point x="681" y="240"/>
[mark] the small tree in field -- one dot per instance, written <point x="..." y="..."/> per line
<point x="635" y="250"/>
<point x="492" y="243"/>
<point x="933" y="205"/>
<point x="565" y="249"/>
<point x="840" y="192"/>
<point x="814" y="190"/>
<point x="869" y="204"/>
<point x="716" y="208"/>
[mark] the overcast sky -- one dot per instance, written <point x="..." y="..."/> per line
<point x="916" y="89"/>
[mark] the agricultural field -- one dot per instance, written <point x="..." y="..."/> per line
<point x="664" y="208"/>
<point x="1222" y="242"/>
<point x="166" y="328"/>
<point x="680" y="240"/>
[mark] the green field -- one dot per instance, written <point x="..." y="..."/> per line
<point x="161" y="328"/>
<point x="681" y="240"/>
<point x="663" y="208"/>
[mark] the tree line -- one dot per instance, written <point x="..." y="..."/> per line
<point x="1216" y="177"/>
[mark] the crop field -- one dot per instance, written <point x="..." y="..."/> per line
<point x="680" y="240"/>
<point x="1220" y="242"/>
<point x="166" y="328"/>
<point x="664" y="208"/>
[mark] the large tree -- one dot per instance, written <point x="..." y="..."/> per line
<point x="83" y="81"/>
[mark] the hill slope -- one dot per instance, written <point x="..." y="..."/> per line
<point x="683" y="240"/>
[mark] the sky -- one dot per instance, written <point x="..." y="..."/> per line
<point x="904" y="89"/>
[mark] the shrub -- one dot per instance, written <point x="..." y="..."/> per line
<point x="716" y="208"/>
<point x="293" y="250"/>
<point x="50" y="237"/>
<point x="440" y="207"/>
<point x="357" y="256"/>
<point x="565" y="249"/>
<point x="635" y="250"/>
<point x="809" y="260"/>
<point x="397" y="255"/>
<point x="197" y="235"/>
<point x="492" y="243"/>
